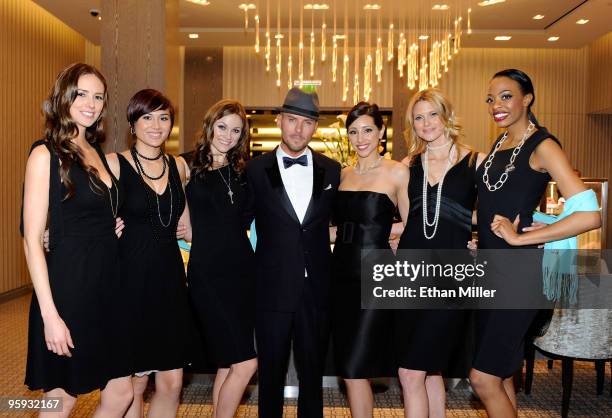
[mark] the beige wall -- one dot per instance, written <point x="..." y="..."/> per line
<point x="34" y="47"/>
<point x="600" y="75"/>
<point x="203" y="87"/>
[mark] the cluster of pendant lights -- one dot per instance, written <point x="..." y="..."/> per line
<point x="423" y="40"/>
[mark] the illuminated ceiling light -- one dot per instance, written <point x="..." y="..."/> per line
<point x="489" y="2"/>
<point x="246" y="7"/>
<point x="279" y="36"/>
<point x="340" y="36"/>
<point x="553" y="39"/>
<point x="372" y="7"/>
<point x="193" y="36"/>
<point x="200" y="2"/>
<point x="582" y="21"/>
<point x="503" y="38"/>
<point x="424" y="37"/>
<point x="440" y="7"/>
<point x="538" y="17"/>
<point x="316" y="6"/>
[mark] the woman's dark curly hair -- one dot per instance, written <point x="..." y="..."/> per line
<point x="60" y="128"/>
<point x="237" y="156"/>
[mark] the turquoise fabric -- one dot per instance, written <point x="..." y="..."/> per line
<point x="253" y="236"/>
<point x="559" y="265"/>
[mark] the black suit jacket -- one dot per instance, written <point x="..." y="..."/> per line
<point x="286" y="248"/>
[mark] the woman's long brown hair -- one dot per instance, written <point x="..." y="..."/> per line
<point x="60" y="129"/>
<point x="237" y="156"/>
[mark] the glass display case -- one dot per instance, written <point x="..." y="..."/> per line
<point x="552" y="204"/>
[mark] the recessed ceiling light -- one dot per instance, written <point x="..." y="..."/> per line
<point x="553" y="39"/>
<point x="193" y="36"/>
<point x="245" y="6"/>
<point x="316" y="6"/>
<point x="440" y="7"/>
<point x="490" y="2"/>
<point x="503" y="38"/>
<point x="582" y="21"/>
<point x="200" y="2"/>
<point x="538" y="17"/>
<point x="371" y="7"/>
<point x="423" y="37"/>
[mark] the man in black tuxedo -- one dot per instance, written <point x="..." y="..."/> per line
<point x="292" y="190"/>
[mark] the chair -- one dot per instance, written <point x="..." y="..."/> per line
<point x="583" y="334"/>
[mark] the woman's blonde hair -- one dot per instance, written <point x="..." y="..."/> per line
<point x="452" y="129"/>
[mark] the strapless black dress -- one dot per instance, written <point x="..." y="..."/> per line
<point x="361" y="337"/>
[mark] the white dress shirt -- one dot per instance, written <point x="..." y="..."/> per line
<point x="297" y="180"/>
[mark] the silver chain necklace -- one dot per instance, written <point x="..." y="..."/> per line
<point x="436" y="219"/>
<point x="228" y="183"/>
<point x="510" y="166"/>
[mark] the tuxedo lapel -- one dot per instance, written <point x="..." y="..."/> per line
<point x="276" y="182"/>
<point x="318" y="175"/>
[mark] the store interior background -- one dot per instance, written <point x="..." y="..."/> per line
<point x="38" y="38"/>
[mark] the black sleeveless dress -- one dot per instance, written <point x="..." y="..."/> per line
<point x="152" y="271"/>
<point x="220" y="270"/>
<point x="500" y="334"/>
<point x="361" y="337"/>
<point x="84" y="278"/>
<point x="438" y="340"/>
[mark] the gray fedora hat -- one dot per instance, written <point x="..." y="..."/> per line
<point x="299" y="102"/>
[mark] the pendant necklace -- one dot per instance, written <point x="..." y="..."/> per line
<point x="228" y="182"/>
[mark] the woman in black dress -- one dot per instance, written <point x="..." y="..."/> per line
<point x="365" y="206"/>
<point x="75" y="342"/>
<point x="435" y="343"/>
<point x="510" y="184"/>
<point x="152" y="269"/>
<point x="221" y="285"/>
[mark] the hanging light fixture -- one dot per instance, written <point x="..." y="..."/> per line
<point x="268" y="40"/>
<point x="301" y="44"/>
<point x="257" y="28"/>
<point x="279" y="56"/>
<point x="423" y="40"/>
<point x="246" y="7"/>
<point x="345" y="56"/>
<point x="312" y="43"/>
<point x="334" y="48"/>
<point x="356" y="65"/>
<point x="290" y="55"/>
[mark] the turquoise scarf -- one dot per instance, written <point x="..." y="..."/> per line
<point x="559" y="265"/>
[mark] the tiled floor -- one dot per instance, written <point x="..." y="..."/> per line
<point x="545" y="400"/>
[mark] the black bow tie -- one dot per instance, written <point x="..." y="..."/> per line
<point x="301" y="160"/>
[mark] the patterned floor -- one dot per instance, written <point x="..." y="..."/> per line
<point x="545" y="400"/>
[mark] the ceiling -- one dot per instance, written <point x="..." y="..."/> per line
<point x="221" y="23"/>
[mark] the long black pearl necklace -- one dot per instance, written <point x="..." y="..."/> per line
<point x="140" y="169"/>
